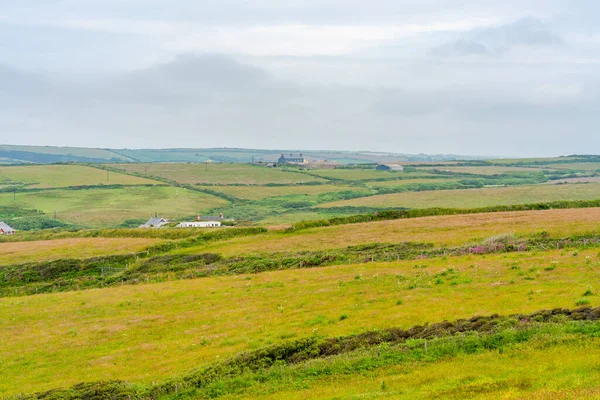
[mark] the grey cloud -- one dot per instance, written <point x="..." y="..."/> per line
<point x="496" y="40"/>
<point x="81" y="76"/>
<point x="192" y="102"/>
<point x="291" y="11"/>
<point x="527" y="31"/>
<point x="460" y="47"/>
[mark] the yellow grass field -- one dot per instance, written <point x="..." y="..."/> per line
<point x="148" y="332"/>
<point x="22" y="252"/>
<point x="442" y="230"/>
<point x="473" y="198"/>
<point x="56" y="176"/>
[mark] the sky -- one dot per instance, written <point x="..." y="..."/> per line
<point x="472" y="77"/>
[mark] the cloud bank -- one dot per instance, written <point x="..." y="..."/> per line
<point x="403" y="76"/>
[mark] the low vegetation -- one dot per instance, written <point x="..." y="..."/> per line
<point x="420" y="284"/>
<point x="314" y="358"/>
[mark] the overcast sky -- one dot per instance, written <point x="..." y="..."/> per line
<point x="476" y="77"/>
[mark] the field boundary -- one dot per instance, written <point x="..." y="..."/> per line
<point x="391" y="214"/>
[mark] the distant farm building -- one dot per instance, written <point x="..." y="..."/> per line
<point x="291" y="159"/>
<point x="390" y="167"/>
<point x="155" y="222"/>
<point x="5" y="229"/>
<point x="200" y="224"/>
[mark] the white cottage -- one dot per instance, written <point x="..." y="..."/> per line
<point x="5" y="229"/>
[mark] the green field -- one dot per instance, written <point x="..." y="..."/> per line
<point x="110" y="207"/>
<point x="53" y="176"/>
<point x="255" y="193"/>
<point x="405" y="182"/>
<point x="580" y="166"/>
<point x="215" y="174"/>
<point x="468" y="198"/>
<point x="483" y="170"/>
<point x="357" y="306"/>
<point x="361" y="174"/>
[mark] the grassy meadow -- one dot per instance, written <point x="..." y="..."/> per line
<point x="255" y="193"/>
<point x="110" y="207"/>
<point x="473" y="198"/>
<point x="46" y="250"/>
<point x="360" y="174"/>
<point x="481" y="170"/>
<point x="236" y="313"/>
<point x="148" y="332"/>
<point x="58" y="176"/>
<point x="450" y="230"/>
<point x="216" y="174"/>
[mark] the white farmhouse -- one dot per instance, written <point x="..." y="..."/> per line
<point x="200" y="224"/>
<point x="5" y="229"/>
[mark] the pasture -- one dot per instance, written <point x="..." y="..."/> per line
<point x="405" y="182"/>
<point x="473" y="198"/>
<point x="109" y="207"/>
<point x="255" y="288"/>
<point x="57" y="176"/>
<point x="586" y="166"/>
<point x="450" y="230"/>
<point x="46" y="250"/>
<point x="263" y="192"/>
<point x="218" y="174"/>
<point x="148" y="332"/>
<point x="365" y="174"/>
<point x="482" y="170"/>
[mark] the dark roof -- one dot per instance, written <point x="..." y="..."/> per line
<point x="392" y="166"/>
<point x="154" y="221"/>
<point x="210" y="218"/>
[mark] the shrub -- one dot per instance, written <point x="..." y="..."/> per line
<point x="582" y="302"/>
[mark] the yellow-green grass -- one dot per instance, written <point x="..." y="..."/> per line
<point x="262" y="192"/>
<point x="363" y="174"/>
<point x="533" y="160"/>
<point x="482" y="170"/>
<point x="218" y="173"/>
<point x="279" y="222"/>
<point x="541" y="369"/>
<point x="146" y="333"/>
<point x="584" y="166"/>
<point x="22" y="252"/>
<point x="404" y="182"/>
<point x="109" y="207"/>
<point x="474" y="198"/>
<point x="450" y="230"/>
<point x="53" y="176"/>
<point x="575" y="180"/>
